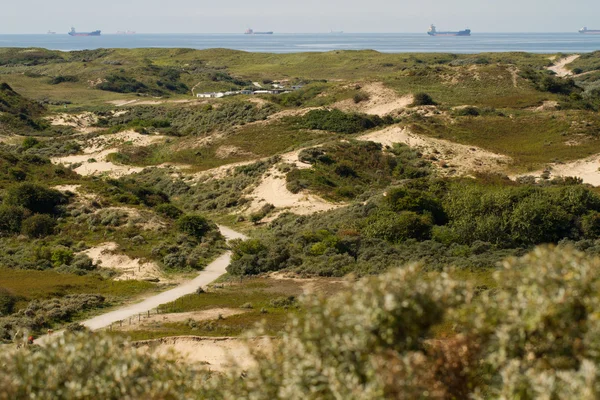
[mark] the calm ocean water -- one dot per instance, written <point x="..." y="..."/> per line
<point x="291" y="43"/>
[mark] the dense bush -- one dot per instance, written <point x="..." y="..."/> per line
<point x="466" y="223"/>
<point x="168" y="210"/>
<point x="11" y="218"/>
<point x="122" y="84"/>
<point x="62" y="79"/>
<point x="7" y="302"/>
<point x="40" y="314"/>
<point x="35" y="198"/>
<point x="345" y="170"/>
<point x="194" y="225"/>
<point x="79" y="366"/>
<point x="422" y="99"/>
<point x="38" y="225"/>
<point x="341" y="122"/>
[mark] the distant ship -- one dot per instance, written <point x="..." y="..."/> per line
<point x="51" y="33"/>
<point x="251" y="32"/>
<point x="336" y="32"/>
<point x="433" y="32"/>
<point x="126" y="32"/>
<point x="586" y="31"/>
<point x="75" y="33"/>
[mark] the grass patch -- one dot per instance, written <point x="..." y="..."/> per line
<point x="31" y="285"/>
<point x="531" y="139"/>
<point x="264" y="295"/>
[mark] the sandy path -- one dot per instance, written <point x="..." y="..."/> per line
<point x="206" y="276"/>
<point x="452" y="158"/>
<point x="560" y="66"/>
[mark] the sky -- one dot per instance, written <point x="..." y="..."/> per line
<point x="286" y="16"/>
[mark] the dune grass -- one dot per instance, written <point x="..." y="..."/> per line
<point x="531" y="139"/>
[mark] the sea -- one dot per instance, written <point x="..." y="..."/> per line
<point x="293" y="43"/>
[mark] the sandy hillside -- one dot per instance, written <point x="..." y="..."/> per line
<point x="214" y="353"/>
<point x="82" y="122"/>
<point x="452" y="158"/>
<point x="382" y="101"/>
<point x="94" y="161"/>
<point x="588" y="169"/>
<point x="272" y="190"/>
<point x="560" y="66"/>
<point x="106" y="255"/>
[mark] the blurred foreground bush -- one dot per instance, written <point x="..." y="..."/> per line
<point x="536" y="334"/>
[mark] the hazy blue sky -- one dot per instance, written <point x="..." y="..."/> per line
<point x="200" y="16"/>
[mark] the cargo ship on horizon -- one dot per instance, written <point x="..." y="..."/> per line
<point x="251" y="32"/>
<point x="434" y="32"/>
<point x="586" y="31"/>
<point x="73" y="32"/>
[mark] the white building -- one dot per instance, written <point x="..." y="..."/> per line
<point x="210" y="95"/>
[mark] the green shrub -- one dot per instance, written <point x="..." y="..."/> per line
<point x="61" y="256"/>
<point x="38" y="225"/>
<point x="122" y="84"/>
<point x="7" y="302"/>
<point x="11" y="218"/>
<point x="36" y="198"/>
<point x="360" y="97"/>
<point x="168" y="210"/>
<point x="29" y="142"/>
<point x="194" y="225"/>
<point x="63" y="78"/>
<point x="423" y="99"/>
<point x="398" y="227"/>
<point x="590" y="225"/>
<point x="341" y="122"/>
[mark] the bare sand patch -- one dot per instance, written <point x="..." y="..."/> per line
<point x="451" y="158"/>
<point x="273" y="190"/>
<point x="588" y="169"/>
<point x="216" y="354"/>
<point x="121" y="103"/>
<point x="312" y="285"/>
<point x="560" y="66"/>
<point x="94" y="161"/>
<point x="549" y="105"/>
<point x="106" y="256"/>
<point x="382" y="101"/>
<point x="155" y="320"/>
<point x="82" y="122"/>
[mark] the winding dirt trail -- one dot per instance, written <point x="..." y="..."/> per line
<point x="206" y="276"/>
